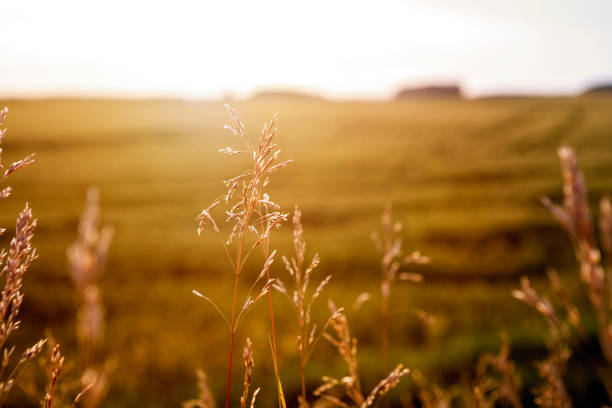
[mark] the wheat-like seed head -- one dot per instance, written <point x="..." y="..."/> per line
<point x="574" y="215"/>
<point x="86" y="259"/>
<point x="605" y="225"/>
<point x="248" y="186"/>
<point x="302" y="298"/>
<point x="346" y="345"/>
<point x="385" y="385"/>
<point x="14" y="263"/>
<point x="496" y="379"/>
<point x="205" y="399"/>
<point x="553" y="392"/>
<point x="252" y="216"/>
<point x="248" y="371"/>
<point x="18" y="259"/>
<point x="529" y="295"/>
<point x="389" y="243"/>
<point x="57" y="362"/>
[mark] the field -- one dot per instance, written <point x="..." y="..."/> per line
<point x="465" y="178"/>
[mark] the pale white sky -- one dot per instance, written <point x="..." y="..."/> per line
<point x="339" y="48"/>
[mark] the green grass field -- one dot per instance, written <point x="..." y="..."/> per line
<point x="465" y="178"/>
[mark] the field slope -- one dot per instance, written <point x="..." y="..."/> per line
<point x="464" y="177"/>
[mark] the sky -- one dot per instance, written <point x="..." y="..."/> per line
<point x="337" y="48"/>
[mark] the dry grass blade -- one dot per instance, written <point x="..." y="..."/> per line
<point x="575" y="217"/>
<point x="303" y="299"/>
<point x="205" y="399"/>
<point x="529" y="295"/>
<point x="389" y="243"/>
<point x="214" y="305"/>
<point x="552" y="394"/>
<point x="19" y="164"/>
<point x="361" y="299"/>
<point x="57" y="362"/>
<point x="560" y="329"/>
<point x="86" y="259"/>
<point x="430" y="395"/>
<point x="605" y="227"/>
<point x="248" y="372"/>
<point x="15" y="262"/>
<point x="254" y="398"/>
<point x="496" y="379"/>
<point x="254" y="216"/>
<point x="346" y="345"/>
<point x="15" y="166"/>
<point x="571" y="312"/>
<point x="386" y="384"/>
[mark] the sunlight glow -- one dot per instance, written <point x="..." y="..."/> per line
<point x="337" y="48"/>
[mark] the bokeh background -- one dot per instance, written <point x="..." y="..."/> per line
<point x="451" y="111"/>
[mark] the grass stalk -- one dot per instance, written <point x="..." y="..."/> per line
<point x="389" y="244"/>
<point x="265" y="248"/>
<point x="303" y="299"/>
<point x="249" y="209"/>
<point x="14" y="262"/>
<point x="231" y="347"/>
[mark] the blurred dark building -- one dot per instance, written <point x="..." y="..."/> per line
<point x="431" y="92"/>
<point x="600" y="89"/>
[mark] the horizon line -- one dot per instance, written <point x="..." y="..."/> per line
<point x="296" y="92"/>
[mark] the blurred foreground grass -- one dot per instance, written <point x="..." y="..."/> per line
<point x="463" y="176"/>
